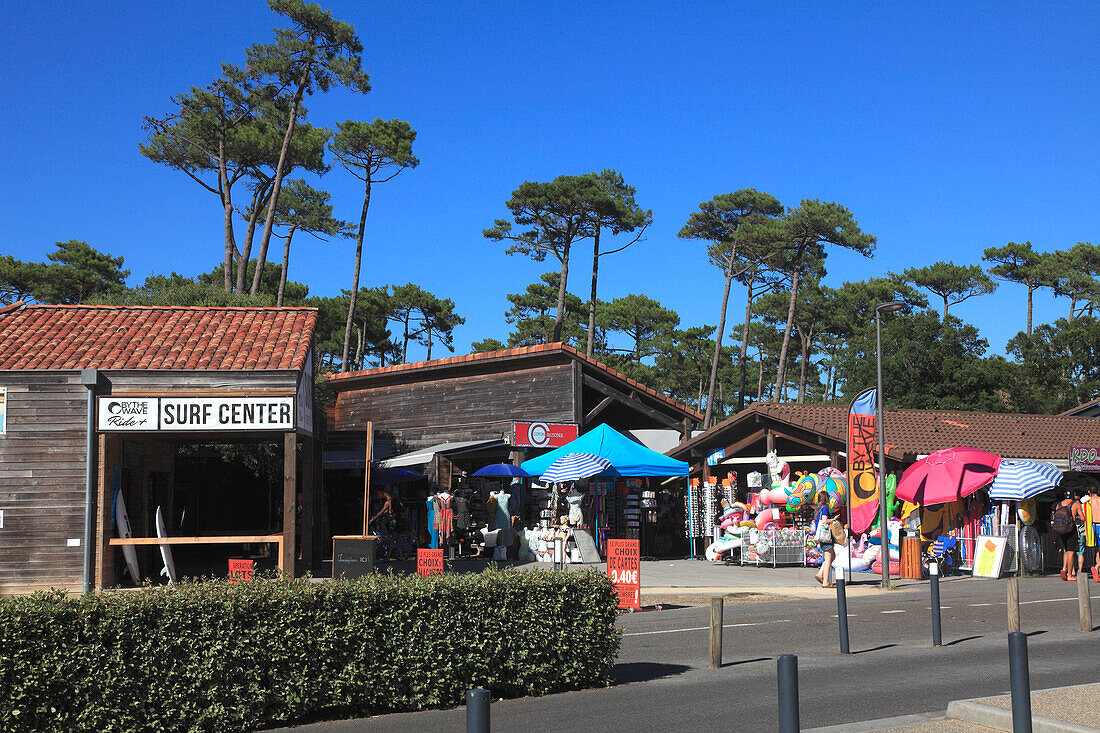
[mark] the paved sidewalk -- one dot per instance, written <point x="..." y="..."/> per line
<point x="1074" y="709"/>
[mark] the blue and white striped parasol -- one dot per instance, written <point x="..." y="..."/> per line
<point x="575" y="466"/>
<point x="1018" y="480"/>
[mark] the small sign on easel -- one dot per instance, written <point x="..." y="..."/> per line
<point x="623" y="563"/>
<point x="241" y="570"/>
<point x="429" y="562"/>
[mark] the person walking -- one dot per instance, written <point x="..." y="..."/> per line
<point x="828" y="548"/>
<point x="1062" y="524"/>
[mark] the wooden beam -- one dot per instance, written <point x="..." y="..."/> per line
<point x="290" y="503"/>
<point x="104" y="556"/>
<point x="578" y="397"/>
<point x="770" y="437"/>
<point x="307" y="501"/>
<point x="604" y="404"/>
<point x="366" y="477"/>
<point x="631" y="403"/>
<point x="211" y="540"/>
<point x="745" y="442"/>
<point x="795" y="439"/>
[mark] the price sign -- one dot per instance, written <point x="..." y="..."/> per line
<point x="429" y="562"/>
<point x="241" y="570"/>
<point x="623" y="568"/>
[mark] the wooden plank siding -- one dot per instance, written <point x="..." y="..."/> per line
<point x="456" y="408"/>
<point x="42" y="462"/>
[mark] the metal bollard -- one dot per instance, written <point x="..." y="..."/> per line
<point x="934" y="578"/>
<point x="559" y="553"/>
<point x="842" y="610"/>
<point x="477" y="710"/>
<point x="788" y="693"/>
<point x="716" y="632"/>
<point x="1084" y="602"/>
<point x="1020" y="683"/>
<point x="1013" y="604"/>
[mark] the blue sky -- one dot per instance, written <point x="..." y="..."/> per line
<point x="945" y="128"/>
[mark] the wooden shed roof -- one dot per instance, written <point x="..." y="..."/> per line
<point x="910" y="433"/>
<point x="65" y="337"/>
<point x="502" y="359"/>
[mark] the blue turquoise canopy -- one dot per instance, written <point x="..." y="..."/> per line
<point x="627" y="458"/>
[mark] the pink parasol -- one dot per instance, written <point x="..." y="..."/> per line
<point x="947" y="475"/>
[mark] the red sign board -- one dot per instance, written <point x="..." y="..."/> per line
<point x="622" y="567"/>
<point x="429" y="562"/>
<point x="1084" y="459"/>
<point x="542" y="434"/>
<point x="241" y="571"/>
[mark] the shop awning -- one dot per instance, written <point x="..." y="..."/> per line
<point x="425" y="455"/>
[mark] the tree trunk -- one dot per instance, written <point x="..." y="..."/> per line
<point x="249" y="235"/>
<point x="945" y="309"/>
<point x="277" y="186"/>
<point x="803" y="367"/>
<point x="355" y="276"/>
<point x="781" y="375"/>
<point x="405" y="341"/>
<point x="592" y="298"/>
<point x="743" y="368"/>
<point x="1030" y="290"/>
<point x="227" y="207"/>
<point x="760" y="379"/>
<point x="699" y="400"/>
<point x="358" y="346"/>
<point x="718" y="343"/>
<point x="559" y="319"/>
<point x="1072" y="307"/>
<point x="286" y="264"/>
<point x="429" y="354"/>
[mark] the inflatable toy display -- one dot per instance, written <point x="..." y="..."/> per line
<point x="1026" y="511"/>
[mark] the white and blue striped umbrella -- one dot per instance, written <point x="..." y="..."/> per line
<point x="575" y="466"/>
<point x="1017" y="480"/>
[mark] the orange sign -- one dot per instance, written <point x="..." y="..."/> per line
<point x="623" y="558"/>
<point x="429" y="562"/>
<point x="241" y="571"/>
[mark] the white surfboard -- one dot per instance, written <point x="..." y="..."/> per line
<point x="122" y="524"/>
<point x="166" y="551"/>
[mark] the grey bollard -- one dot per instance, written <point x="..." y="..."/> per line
<point x="934" y="582"/>
<point x="1084" y="603"/>
<point x="477" y="710"/>
<point x="1020" y="684"/>
<point x="842" y="610"/>
<point x="716" y="631"/>
<point x="788" y="693"/>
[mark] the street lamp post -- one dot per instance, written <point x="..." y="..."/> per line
<point x="884" y="534"/>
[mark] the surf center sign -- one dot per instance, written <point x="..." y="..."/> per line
<point x="542" y="434"/>
<point x="1084" y="459"/>
<point x="195" y="413"/>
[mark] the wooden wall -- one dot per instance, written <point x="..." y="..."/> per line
<point x="457" y="408"/>
<point x="42" y="462"/>
<point x="42" y="482"/>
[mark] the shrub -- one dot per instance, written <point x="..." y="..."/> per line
<point x="216" y="656"/>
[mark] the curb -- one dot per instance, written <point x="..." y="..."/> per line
<point x="1001" y="719"/>
<point x="870" y="726"/>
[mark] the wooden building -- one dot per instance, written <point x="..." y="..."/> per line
<point x="472" y="404"/>
<point x="136" y="384"/>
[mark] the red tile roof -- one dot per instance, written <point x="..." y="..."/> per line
<point x="148" y="337"/>
<point x="556" y="347"/>
<point x="920" y="432"/>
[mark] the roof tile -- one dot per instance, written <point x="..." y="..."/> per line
<point x="148" y="337"/>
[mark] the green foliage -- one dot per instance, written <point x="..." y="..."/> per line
<point x="76" y="273"/>
<point x="1019" y="263"/>
<point x="365" y="148"/>
<point x="532" y="314"/>
<point x="1058" y="366"/>
<point x="371" y="344"/>
<point x="485" y="345"/>
<point x="643" y="320"/>
<point x="952" y="283"/>
<point x="215" y="656"/>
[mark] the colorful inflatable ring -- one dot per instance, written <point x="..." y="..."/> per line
<point x="1026" y="512"/>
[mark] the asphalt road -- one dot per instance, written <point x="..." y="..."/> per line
<point x="662" y="681"/>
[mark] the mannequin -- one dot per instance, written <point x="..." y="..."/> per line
<point x="574" y="498"/>
<point x="500" y="519"/>
<point x="445" y="518"/>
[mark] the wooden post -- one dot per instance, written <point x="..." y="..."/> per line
<point x="307" y="502"/>
<point x="1083" y="602"/>
<point x="104" y="555"/>
<point x="1013" y="604"/>
<point x="366" y="478"/>
<point x="290" y="503"/>
<point x="716" y="632"/>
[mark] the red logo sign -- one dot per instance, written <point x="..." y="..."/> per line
<point x="543" y="434"/>
<point x="429" y="562"/>
<point x="241" y="571"/>
<point x="622" y="567"/>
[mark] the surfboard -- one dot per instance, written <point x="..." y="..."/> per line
<point x="165" y="551"/>
<point x="122" y="524"/>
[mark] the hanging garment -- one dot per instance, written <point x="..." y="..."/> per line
<point x="433" y="529"/>
<point x="445" y="519"/>
<point x="501" y="519"/>
<point x="462" y="512"/>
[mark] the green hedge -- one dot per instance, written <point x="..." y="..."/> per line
<point x="214" y="656"/>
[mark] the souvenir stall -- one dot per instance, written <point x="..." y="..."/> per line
<point x="617" y="502"/>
